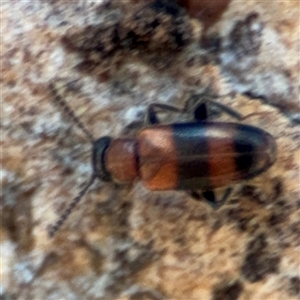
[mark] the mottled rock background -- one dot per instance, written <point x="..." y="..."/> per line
<point x="109" y="60"/>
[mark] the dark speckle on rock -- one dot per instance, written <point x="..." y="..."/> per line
<point x="255" y="268"/>
<point x="229" y="291"/>
<point x="245" y="37"/>
<point x="134" y="259"/>
<point x="277" y="187"/>
<point x="166" y="6"/>
<point x="259" y="243"/>
<point x="260" y="260"/>
<point x="253" y="193"/>
<point x="146" y="295"/>
<point x="158" y="26"/>
<point x="276" y="219"/>
<point x="7" y="296"/>
<point x="240" y="217"/>
<point x="211" y="43"/>
<point x="294" y="286"/>
<point x="17" y="217"/>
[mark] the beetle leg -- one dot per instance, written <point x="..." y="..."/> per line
<point x="200" y="112"/>
<point x="151" y="115"/>
<point x="210" y="197"/>
<point x="198" y="104"/>
<point x="229" y="111"/>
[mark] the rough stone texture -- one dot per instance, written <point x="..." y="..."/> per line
<point x="127" y="242"/>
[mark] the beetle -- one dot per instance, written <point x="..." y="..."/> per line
<point x="199" y="155"/>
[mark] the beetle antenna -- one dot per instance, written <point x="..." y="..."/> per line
<point x="69" y="112"/>
<point x="54" y="228"/>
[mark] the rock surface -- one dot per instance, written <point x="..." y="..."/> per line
<point x="109" y="60"/>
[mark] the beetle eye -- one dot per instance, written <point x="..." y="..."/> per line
<point x="99" y="148"/>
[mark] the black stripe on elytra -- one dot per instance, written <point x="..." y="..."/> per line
<point x="247" y="142"/>
<point x="192" y="154"/>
